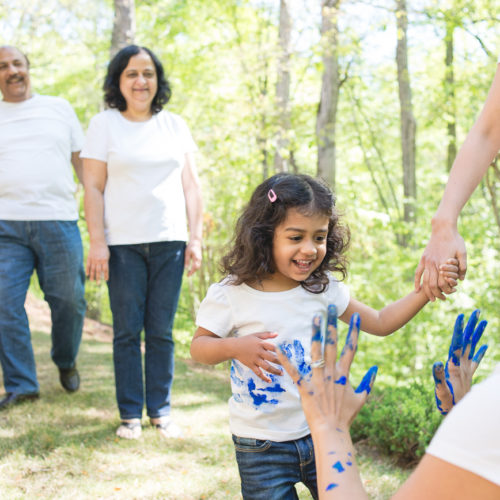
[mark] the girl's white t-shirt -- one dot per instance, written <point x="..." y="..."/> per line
<point x="258" y="409"/>
<point x="143" y="198"/>
<point x="469" y="436"/>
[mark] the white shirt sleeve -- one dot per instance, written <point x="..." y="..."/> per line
<point x="188" y="144"/>
<point x="215" y="312"/>
<point x="96" y="141"/>
<point x="469" y="436"/>
<point x="338" y="293"/>
<point x="77" y="135"/>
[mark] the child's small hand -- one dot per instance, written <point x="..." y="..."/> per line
<point x="258" y="355"/>
<point x="449" y="271"/>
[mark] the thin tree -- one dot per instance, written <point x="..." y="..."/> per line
<point x="330" y="86"/>
<point x="282" y="156"/>
<point x="123" y="25"/>
<point x="449" y="86"/>
<point x="408" y="124"/>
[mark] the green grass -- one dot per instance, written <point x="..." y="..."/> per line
<point x="63" y="446"/>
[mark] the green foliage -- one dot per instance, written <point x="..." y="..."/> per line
<point x="399" y="421"/>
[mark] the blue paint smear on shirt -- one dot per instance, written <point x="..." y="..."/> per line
<point x="237" y="381"/>
<point x="259" y="399"/>
<point x="302" y="367"/>
<point x="274" y="388"/>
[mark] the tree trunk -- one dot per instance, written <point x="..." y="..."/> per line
<point x="408" y="124"/>
<point x="282" y="155"/>
<point x="449" y="85"/>
<point x="330" y="85"/>
<point x="123" y="25"/>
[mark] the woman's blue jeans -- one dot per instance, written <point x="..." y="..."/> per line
<point x="54" y="250"/>
<point x="144" y="285"/>
<point x="269" y="470"/>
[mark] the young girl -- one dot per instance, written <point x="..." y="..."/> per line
<point x="287" y="242"/>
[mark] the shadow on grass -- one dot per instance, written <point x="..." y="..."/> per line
<point x="88" y="417"/>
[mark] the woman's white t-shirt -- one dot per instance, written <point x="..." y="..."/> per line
<point x="143" y="198"/>
<point x="258" y="409"/>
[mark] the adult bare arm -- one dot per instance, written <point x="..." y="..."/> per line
<point x="330" y="405"/>
<point x="194" y="210"/>
<point x="94" y="181"/>
<point x="76" y="161"/>
<point x="478" y="150"/>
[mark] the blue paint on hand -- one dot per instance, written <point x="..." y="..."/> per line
<point x="469" y="329"/>
<point x="331" y="486"/>
<point x="354" y="324"/>
<point x="456" y="341"/>
<point x="332" y="315"/>
<point x="341" y="380"/>
<point x="368" y="380"/>
<point x="477" y="335"/>
<point x="316" y="337"/>
<point x="338" y="466"/>
<point x="348" y="463"/>
<point x="480" y="353"/>
<point x="437" y="372"/>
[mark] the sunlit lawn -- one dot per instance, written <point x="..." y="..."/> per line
<point x="64" y="446"/>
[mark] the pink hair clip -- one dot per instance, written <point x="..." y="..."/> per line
<point x="272" y="196"/>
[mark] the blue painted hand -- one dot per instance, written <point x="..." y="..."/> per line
<point x="454" y="380"/>
<point x="327" y="395"/>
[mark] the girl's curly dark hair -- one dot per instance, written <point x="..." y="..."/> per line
<point x="112" y="94"/>
<point x="251" y="255"/>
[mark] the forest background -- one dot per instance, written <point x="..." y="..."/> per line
<point x="373" y="96"/>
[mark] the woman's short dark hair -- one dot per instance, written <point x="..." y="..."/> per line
<point x="112" y="94"/>
<point x="250" y="257"/>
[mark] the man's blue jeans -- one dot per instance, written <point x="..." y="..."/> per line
<point x="269" y="470"/>
<point x="144" y="285"/>
<point x="54" y="250"/>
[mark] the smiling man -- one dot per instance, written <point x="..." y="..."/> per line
<point x="39" y="137"/>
